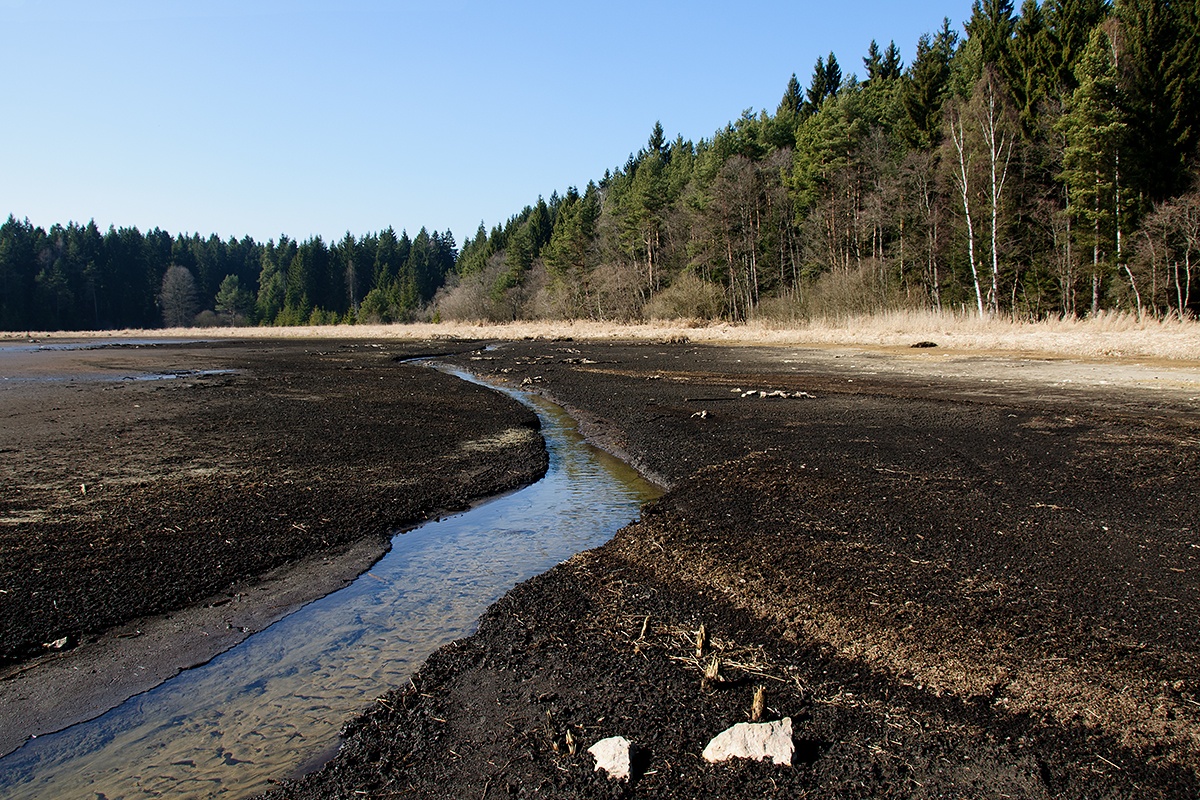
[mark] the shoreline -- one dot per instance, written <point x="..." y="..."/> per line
<point x="1108" y="338"/>
<point x="55" y="691"/>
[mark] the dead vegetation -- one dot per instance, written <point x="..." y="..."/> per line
<point x="1110" y="335"/>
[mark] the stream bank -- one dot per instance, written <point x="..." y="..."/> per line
<point x="963" y="577"/>
<point x="273" y="706"/>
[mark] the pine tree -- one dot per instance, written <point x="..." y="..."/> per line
<point x="1069" y="25"/>
<point x="892" y="66"/>
<point x="818" y="88"/>
<point x="873" y="61"/>
<point x="1094" y="130"/>
<point x="792" y="99"/>
<point x="927" y="82"/>
<point x="1160" y="72"/>
<point x="1032" y="53"/>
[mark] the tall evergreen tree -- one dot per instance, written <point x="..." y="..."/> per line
<point x="1032" y="51"/>
<point x="388" y="258"/>
<point x="892" y="66"/>
<point x="1094" y="130"/>
<point x="882" y="65"/>
<point x="873" y="61"/>
<point x="787" y="115"/>
<point x="989" y="41"/>
<point x="927" y="82"/>
<point x="1069" y="25"/>
<point x="992" y="26"/>
<point x="833" y="75"/>
<point x="17" y="258"/>
<point x="1160" y="70"/>
<point x="792" y="100"/>
<point x="818" y="89"/>
<point x="658" y="141"/>
<point x="826" y="82"/>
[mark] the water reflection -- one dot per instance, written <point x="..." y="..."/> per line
<point x="278" y="700"/>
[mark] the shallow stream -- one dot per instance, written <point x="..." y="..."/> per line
<point x="272" y="707"/>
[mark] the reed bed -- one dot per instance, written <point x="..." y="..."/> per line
<point x="1107" y="336"/>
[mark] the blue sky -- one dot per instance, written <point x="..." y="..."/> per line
<point x="264" y="117"/>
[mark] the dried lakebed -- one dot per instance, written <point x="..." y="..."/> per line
<point x="273" y="706"/>
<point x="957" y="574"/>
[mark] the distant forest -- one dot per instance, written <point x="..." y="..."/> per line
<point x="77" y="278"/>
<point x="1042" y="163"/>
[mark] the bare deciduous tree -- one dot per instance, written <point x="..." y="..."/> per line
<point x="178" y="297"/>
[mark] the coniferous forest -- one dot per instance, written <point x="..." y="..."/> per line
<point x="1042" y="162"/>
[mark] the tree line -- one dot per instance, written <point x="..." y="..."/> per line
<point x="1041" y="163"/>
<point x="74" y="277"/>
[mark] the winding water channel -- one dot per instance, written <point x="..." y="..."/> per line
<point x="272" y="707"/>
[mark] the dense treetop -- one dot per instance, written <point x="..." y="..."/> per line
<point x="1042" y="162"/>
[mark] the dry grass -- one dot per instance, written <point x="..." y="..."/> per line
<point x="1109" y="336"/>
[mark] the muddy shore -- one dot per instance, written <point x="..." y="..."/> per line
<point x="957" y="575"/>
<point x="162" y="501"/>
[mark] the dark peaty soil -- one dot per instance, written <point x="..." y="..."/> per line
<point x="124" y="497"/>
<point x="953" y="588"/>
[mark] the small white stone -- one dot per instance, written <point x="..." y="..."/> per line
<point x="756" y="740"/>
<point x="613" y="756"/>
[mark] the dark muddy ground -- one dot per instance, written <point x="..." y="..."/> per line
<point x="128" y="493"/>
<point x="955" y="584"/>
<point x="955" y="587"/>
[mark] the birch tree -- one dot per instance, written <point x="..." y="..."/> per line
<point x="998" y="130"/>
<point x="962" y="171"/>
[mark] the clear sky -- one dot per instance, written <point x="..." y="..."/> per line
<point x="264" y="117"/>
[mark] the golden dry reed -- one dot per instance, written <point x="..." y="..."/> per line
<point x="1108" y="335"/>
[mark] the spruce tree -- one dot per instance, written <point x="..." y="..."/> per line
<point x="658" y="140"/>
<point x="818" y="88"/>
<point x="892" y="67"/>
<point x="873" y="61"/>
<point x="1160" y="70"/>
<point x="792" y="99"/>
<point x="1094" y="131"/>
<point x="1032" y="53"/>
<point x="781" y="129"/>
<point x="833" y="76"/>
<point x="1069" y="25"/>
<point x="927" y="82"/>
<point x="990" y="32"/>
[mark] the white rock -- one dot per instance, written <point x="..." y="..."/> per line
<point x="613" y="756"/>
<point x="756" y="740"/>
